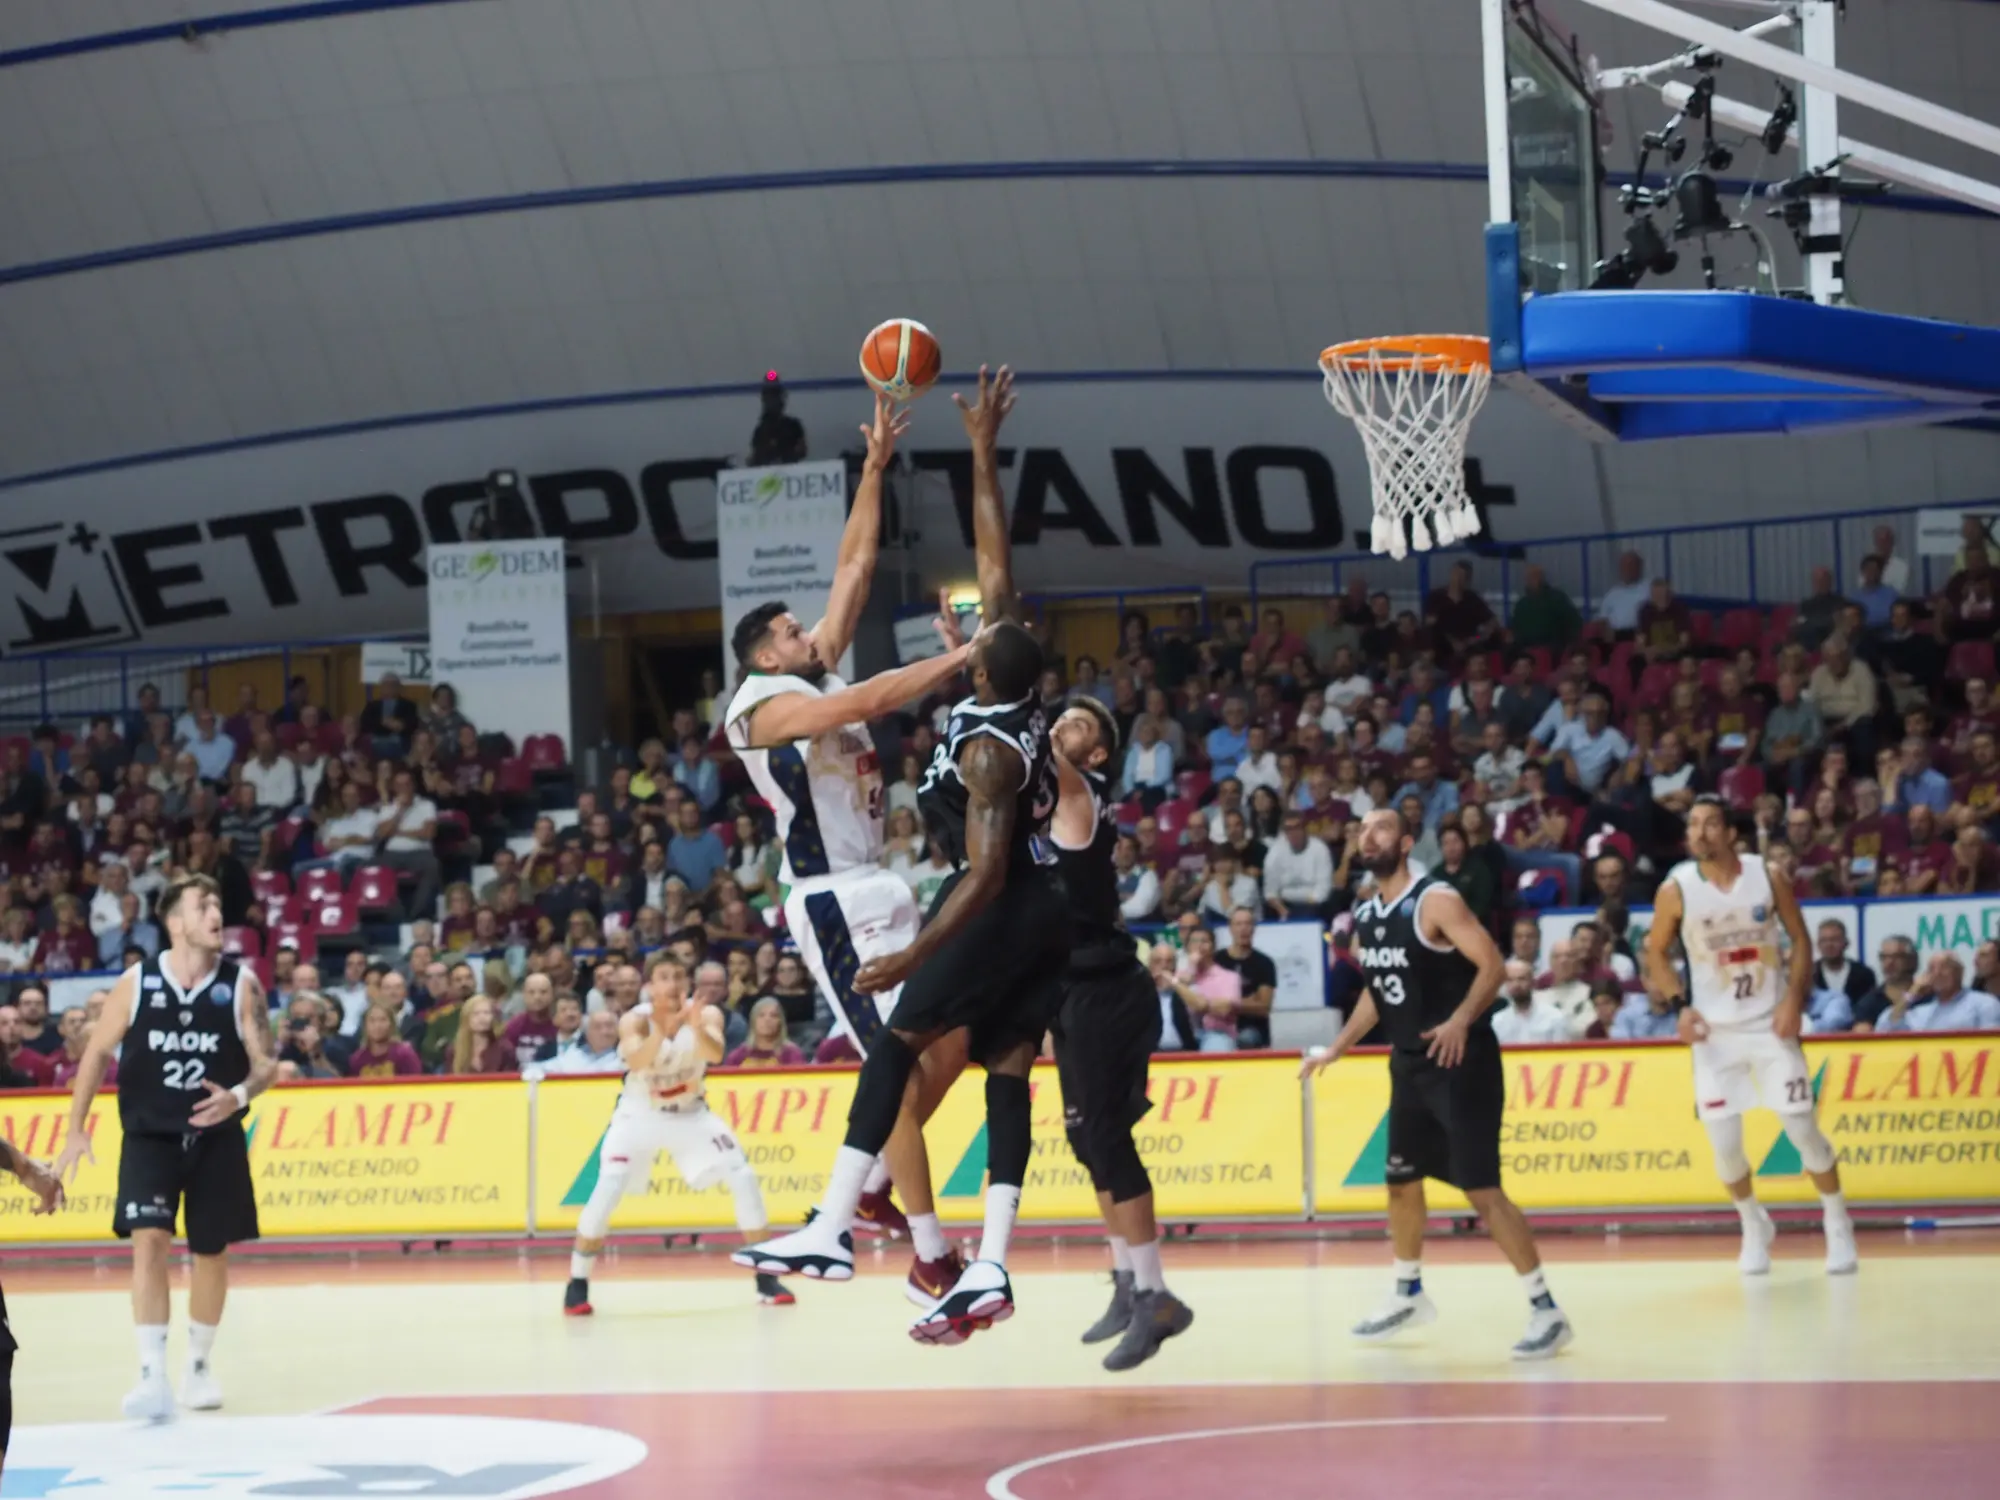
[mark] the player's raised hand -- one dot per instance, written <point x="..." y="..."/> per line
<point x="881" y="434"/>
<point x="1447" y="1041"/>
<point x="948" y="628"/>
<point x="1691" y="1026"/>
<point x="218" y="1104"/>
<point x="996" y="399"/>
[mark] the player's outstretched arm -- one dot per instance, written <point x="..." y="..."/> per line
<point x="993" y="550"/>
<point x="1452" y="921"/>
<point x="1791" y="1011"/>
<point x="1359" y="1024"/>
<point x="797" y="716"/>
<point x="1662" y="974"/>
<point x="861" y="538"/>
<point x="36" y="1178"/>
<point x="253" y="1021"/>
<point x="710" y="1029"/>
<point x="992" y="773"/>
<point x="105" y="1038"/>
<point x="1074" y="823"/>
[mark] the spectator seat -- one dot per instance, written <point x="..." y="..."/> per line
<point x="1741" y="786"/>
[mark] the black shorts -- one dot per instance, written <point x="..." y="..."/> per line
<point x="1444" y="1123"/>
<point x="1000" y="976"/>
<point x="209" y="1169"/>
<point x="7" y="1348"/>
<point x="1105" y="1031"/>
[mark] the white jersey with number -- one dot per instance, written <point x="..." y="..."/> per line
<point x="826" y="790"/>
<point x="1735" y="976"/>
<point x="674" y="1082"/>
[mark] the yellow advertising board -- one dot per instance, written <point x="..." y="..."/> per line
<point x="439" y="1157"/>
<point x="1225" y="1139"/>
<point x="1912" y="1119"/>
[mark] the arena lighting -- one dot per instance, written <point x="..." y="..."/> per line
<point x="963" y="596"/>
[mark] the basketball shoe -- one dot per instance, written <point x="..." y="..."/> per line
<point x="1395" y="1316"/>
<point x="878" y="1215"/>
<point x="1548" y="1334"/>
<point x="930" y="1280"/>
<point x="200" y="1391"/>
<point x="1156" y="1317"/>
<point x="981" y="1297"/>
<point x="1117" y="1315"/>
<point x="814" y="1251"/>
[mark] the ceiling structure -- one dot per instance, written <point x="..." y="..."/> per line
<point x="221" y="222"/>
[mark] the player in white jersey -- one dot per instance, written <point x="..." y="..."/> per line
<point x="802" y="734"/>
<point x="1741" y="1014"/>
<point x="667" y="1045"/>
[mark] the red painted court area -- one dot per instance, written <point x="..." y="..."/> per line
<point x="1549" y="1440"/>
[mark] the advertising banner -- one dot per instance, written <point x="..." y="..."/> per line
<point x="1936" y="924"/>
<point x="777" y="534"/>
<point x="1913" y="1120"/>
<point x="409" y="660"/>
<point x="500" y="634"/>
<point x="438" y="1157"/>
<point x="1299" y="951"/>
<point x="1557" y="925"/>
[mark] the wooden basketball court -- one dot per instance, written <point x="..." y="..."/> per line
<point x="455" y="1373"/>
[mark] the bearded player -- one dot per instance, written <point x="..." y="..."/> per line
<point x="1433" y="974"/>
<point x="1741" y="1017"/>
<point x="1105" y="1032"/>
<point x="802" y="734"/>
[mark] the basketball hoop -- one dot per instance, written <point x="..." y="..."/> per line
<point x="1413" y="399"/>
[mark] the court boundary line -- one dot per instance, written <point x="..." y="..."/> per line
<point x="1000" y="1486"/>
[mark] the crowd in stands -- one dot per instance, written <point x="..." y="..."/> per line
<point x="416" y="903"/>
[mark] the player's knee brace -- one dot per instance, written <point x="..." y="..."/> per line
<point x="878" y="1094"/>
<point x="749" y="1195"/>
<point x="1725" y="1138"/>
<point x="596" y="1215"/>
<point x="1125" y="1175"/>
<point x="1010" y="1129"/>
<point x="1815" y="1150"/>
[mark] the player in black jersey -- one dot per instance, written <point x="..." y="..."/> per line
<point x="48" y="1190"/>
<point x="1105" y="1032"/>
<point x="991" y="954"/>
<point x="1433" y="974"/>
<point x="192" y="1031"/>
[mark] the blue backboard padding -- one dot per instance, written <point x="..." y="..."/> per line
<point x="1706" y="383"/>
<point x="1582" y="333"/>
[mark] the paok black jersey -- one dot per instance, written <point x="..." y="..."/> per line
<point x="1090" y="881"/>
<point x="1416" y="986"/>
<point x="1023" y="725"/>
<point x="177" y="1042"/>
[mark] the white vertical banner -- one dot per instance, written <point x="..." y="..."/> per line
<point x="500" y="634"/>
<point x="777" y="534"/>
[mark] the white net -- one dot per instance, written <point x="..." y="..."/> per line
<point x="1413" y="401"/>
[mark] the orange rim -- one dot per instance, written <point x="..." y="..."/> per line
<point x="1432" y="353"/>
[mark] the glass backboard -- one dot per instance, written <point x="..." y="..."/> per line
<point x="1553" y="151"/>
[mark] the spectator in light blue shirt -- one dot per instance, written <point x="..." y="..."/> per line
<point x="696" y="775"/>
<point x="1589" y="749"/>
<point x="1951" y="1006"/>
<point x="1566" y="709"/>
<point x="1438" y="797"/>
<point x="1424" y="688"/>
<point x="1229" y="739"/>
<point x="1638" y="1023"/>
<point x="211" y="748"/>
<point x="1874" y="596"/>
<point x="1919" y="785"/>
<point x="695" y="853"/>
<point x="1149" y="763"/>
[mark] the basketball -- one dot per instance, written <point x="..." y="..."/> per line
<point x="900" y="358"/>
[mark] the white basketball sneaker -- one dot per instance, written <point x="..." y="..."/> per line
<point x="1397" y="1315"/>
<point x="1843" y="1257"/>
<point x="151" y="1400"/>
<point x="200" y="1391"/>
<point x="814" y="1251"/>
<point x="1548" y="1334"/>
<point x="1754" y="1259"/>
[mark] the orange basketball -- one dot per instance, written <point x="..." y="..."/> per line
<point x="901" y="359"/>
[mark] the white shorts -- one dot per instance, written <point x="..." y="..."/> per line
<point x="1740" y="1068"/>
<point x="700" y="1141"/>
<point x="840" y="922"/>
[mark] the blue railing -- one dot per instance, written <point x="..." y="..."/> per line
<point x="68" y="687"/>
<point x="1738" y="562"/>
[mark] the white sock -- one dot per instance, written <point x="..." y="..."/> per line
<point x="579" y="1265"/>
<point x="1409" y="1277"/>
<point x="878" y="1178"/>
<point x="201" y="1342"/>
<point x="1121" y="1253"/>
<point x="1751" y="1212"/>
<point x="1146" y="1273"/>
<point x="1834" y="1205"/>
<point x="844" y="1187"/>
<point x="152" y="1350"/>
<point x="927" y="1237"/>
<point x="1536" y="1285"/>
<point x="1002" y="1203"/>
